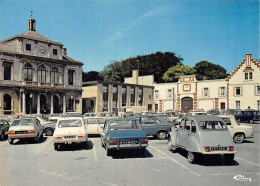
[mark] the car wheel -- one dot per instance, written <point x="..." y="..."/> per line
<point x="2" y="136"/>
<point x="56" y="147"/>
<point x="49" y="132"/>
<point x="191" y="157"/>
<point x="228" y="158"/>
<point x="37" y="138"/>
<point x="83" y="145"/>
<point x="102" y="144"/>
<point x="108" y="151"/>
<point x="170" y="144"/>
<point x="239" y="138"/>
<point x="161" y="135"/>
<point x="11" y="141"/>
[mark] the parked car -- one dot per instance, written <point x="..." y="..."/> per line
<point x="25" y="128"/>
<point x="213" y="112"/>
<point x="49" y="128"/>
<point x="107" y="115"/>
<point x="154" y="125"/>
<point x="72" y="114"/>
<point x="68" y="131"/>
<point x="40" y="119"/>
<point x="248" y="115"/>
<point x="89" y="114"/>
<point x="4" y="127"/>
<point x="194" y="113"/>
<point x="123" y="133"/>
<point x="172" y="114"/>
<point x="55" y="117"/>
<point x="202" y="135"/>
<point x="237" y="131"/>
<point x="94" y="125"/>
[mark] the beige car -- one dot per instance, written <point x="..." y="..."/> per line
<point x="237" y="131"/>
<point x="70" y="130"/>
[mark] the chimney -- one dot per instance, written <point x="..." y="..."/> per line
<point x="135" y="74"/>
<point x="31" y="24"/>
<point x="64" y="51"/>
<point x="248" y="60"/>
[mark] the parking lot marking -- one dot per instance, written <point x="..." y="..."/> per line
<point x="175" y="161"/>
<point x="248" y="162"/>
<point x="42" y="147"/>
<point x="94" y="151"/>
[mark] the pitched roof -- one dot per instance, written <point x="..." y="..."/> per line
<point x="34" y="36"/>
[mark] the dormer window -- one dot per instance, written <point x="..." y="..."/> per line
<point x="248" y="76"/>
<point x="55" y="52"/>
<point x="28" y="47"/>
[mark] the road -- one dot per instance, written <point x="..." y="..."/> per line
<point x="39" y="164"/>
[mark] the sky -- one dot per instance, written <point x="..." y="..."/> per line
<point x="98" y="32"/>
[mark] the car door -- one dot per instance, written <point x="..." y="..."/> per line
<point x="184" y="132"/>
<point x="91" y="125"/>
<point x="38" y="127"/>
<point x="230" y="126"/>
<point x="149" y="125"/>
<point x="100" y="122"/>
<point x="103" y="134"/>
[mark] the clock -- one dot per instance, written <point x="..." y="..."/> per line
<point x="42" y="49"/>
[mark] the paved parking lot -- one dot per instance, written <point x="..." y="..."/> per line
<point x="39" y="164"/>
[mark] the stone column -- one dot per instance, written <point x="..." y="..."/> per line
<point x="64" y="104"/>
<point x="51" y="103"/>
<point x="23" y="102"/>
<point x="38" y="104"/>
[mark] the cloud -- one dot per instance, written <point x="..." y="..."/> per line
<point x="118" y="34"/>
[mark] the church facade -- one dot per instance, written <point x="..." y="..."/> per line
<point x="37" y="76"/>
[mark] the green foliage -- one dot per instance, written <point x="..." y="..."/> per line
<point x="207" y="70"/>
<point x="90" y="76"/>
<point x="173" y="73"/>
<point x="153" y="64"/>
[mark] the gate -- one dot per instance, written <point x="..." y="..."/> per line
<point x="186" y="104"/>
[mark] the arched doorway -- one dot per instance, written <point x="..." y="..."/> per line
<point x="7" y="104"/>
<point x="56" y="104"/>
<point x="186" y="104"/>
<point x="43" y="104"/>
<point x="70" y="107"/>
<point x="28" y="103"/>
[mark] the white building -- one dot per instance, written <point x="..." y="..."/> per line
<point x="240" y="90"/>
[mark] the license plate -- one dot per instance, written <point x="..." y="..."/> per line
<point x="21" y="132"/>
<point x="69" y="137"/>
<point x="218" y="148"/>
<point x="127" y="142"/>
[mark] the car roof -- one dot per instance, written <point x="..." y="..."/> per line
<point x="204" y="118"/>
<point x="120" y="119"/>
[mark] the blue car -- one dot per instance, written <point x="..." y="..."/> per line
<point x="123" y="133"/>
<point x="154" y="125"/>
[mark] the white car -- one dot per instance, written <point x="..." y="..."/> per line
<point x="237" y="131"/>
<point x="68" y="131"/>
<point x="94" y="125"/>
<point x="25" y="128"/>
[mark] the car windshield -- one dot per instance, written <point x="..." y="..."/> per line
<point x="69" y="123"/>
<point x="124" y="125"/>
<point x="212" y="125"/>
<point x="23" y="122"/>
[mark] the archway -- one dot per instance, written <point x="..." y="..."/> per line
<point x="56" y="104"/>
<point x="43" y="104"/>
<point x="7" y="104"/>
<point x="186" y="104"/>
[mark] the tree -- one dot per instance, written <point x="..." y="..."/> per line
<point x="207" y="70"/>
<point x="173" y="73"/>
<point x="90" y="76"/>
<point x="153" y="64"/>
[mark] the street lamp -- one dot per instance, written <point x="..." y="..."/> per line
<point x="31" y="95"/>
